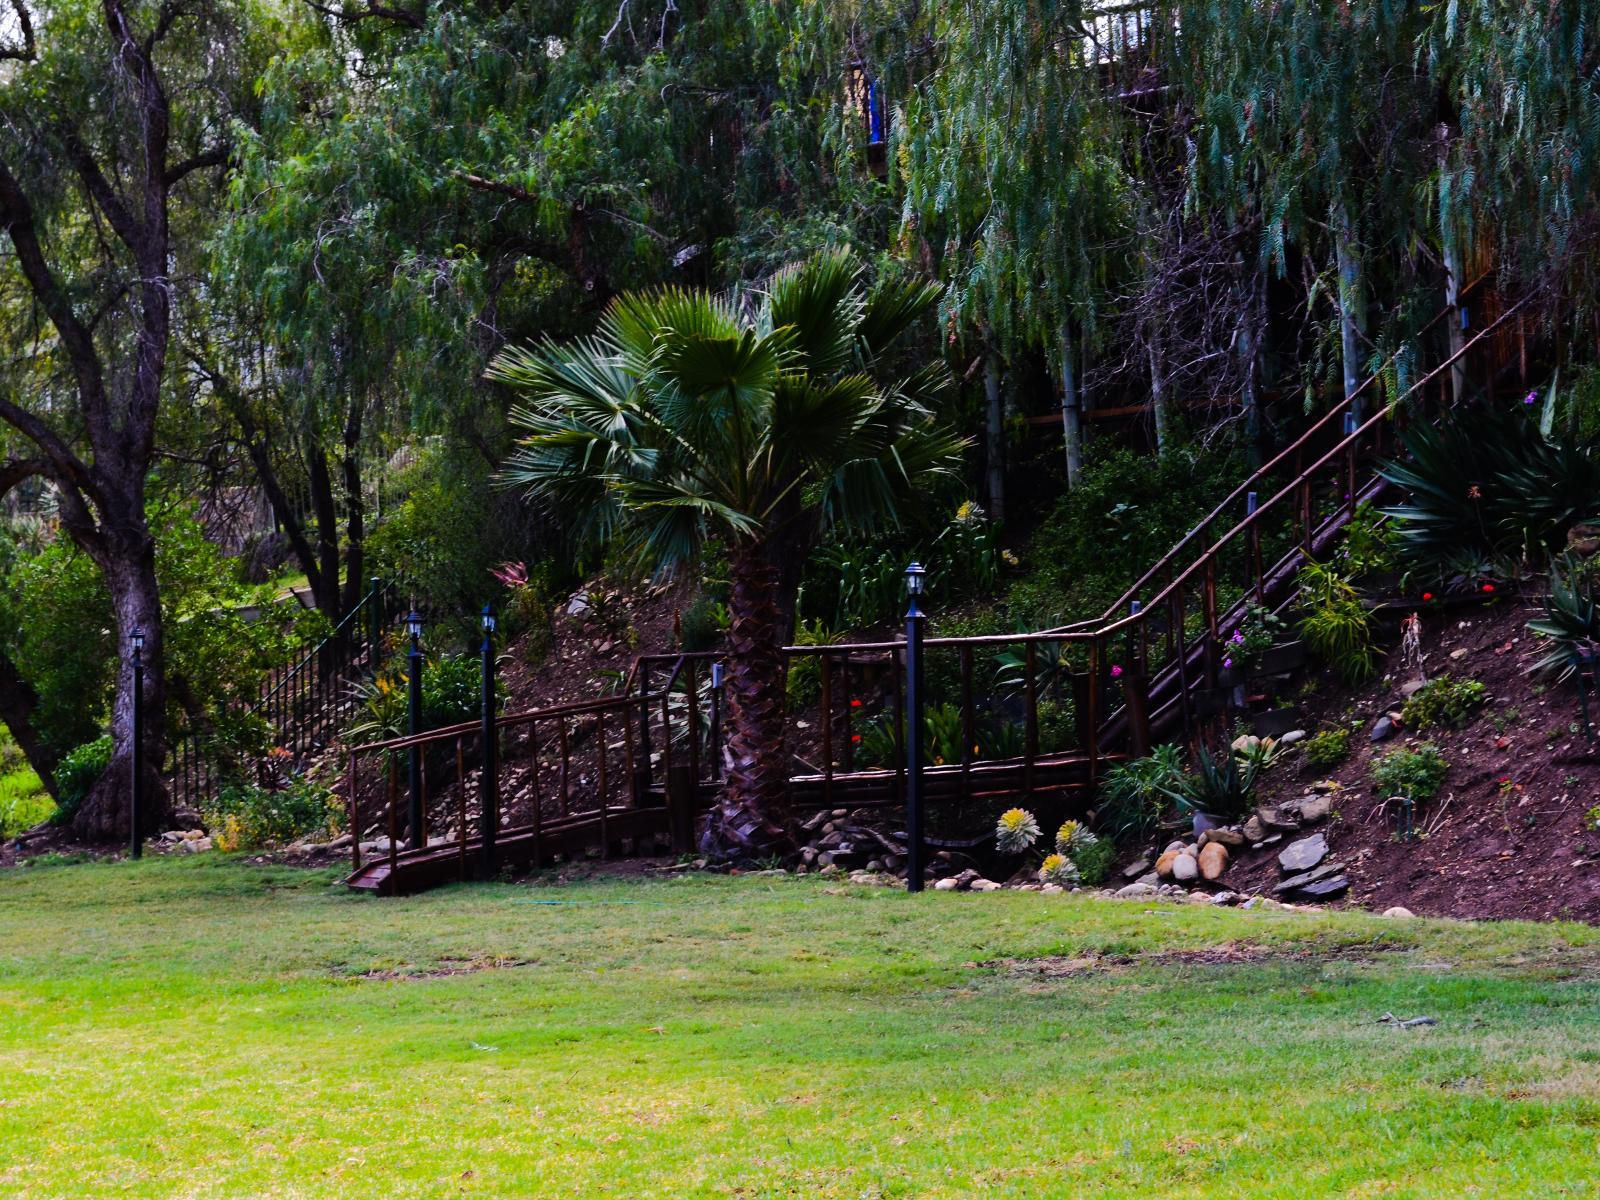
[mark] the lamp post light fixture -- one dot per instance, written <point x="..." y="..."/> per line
<point x="916" y="577"/>
<point x="414" y="726"/>
<point x="136" y="792"/>
<point x="489" y="780"/>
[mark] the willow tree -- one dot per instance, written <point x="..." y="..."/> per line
<point x="1014" y="174"/>
<point x="1313" y="129"/>
<point x="689" y="417"/>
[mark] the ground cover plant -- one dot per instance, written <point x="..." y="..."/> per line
<point x="201" y="1027"/>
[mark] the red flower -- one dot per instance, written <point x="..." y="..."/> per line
<point x="1427" y="595"/>
<point x="1488" y="587"/>
<point x="855" y="704"/>
<point x="855" y="737"/>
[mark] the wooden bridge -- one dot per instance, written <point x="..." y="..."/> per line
<point x="1032" y="713"/>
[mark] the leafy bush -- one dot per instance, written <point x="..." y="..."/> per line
<point x="77" y="773"/>
<point x="1091" y="857"/>
<point x="1416" y="774"/>
<point x="706" y="621"/>
<point x="1125" y="512"/>
<point x="803" y="681"/>
<point x="452" y="693"/>
<point x="24" y="802"/>
<point x="1134" y="794"/>
<point x="1443" y="701"/>
<point x="244" y="817"/>
<point x="1327" y="749"/>
<point x="1371" y="544"/>
<point x="1334" y="623"/>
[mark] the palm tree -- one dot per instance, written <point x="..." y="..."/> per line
<point x="759" y="420"/>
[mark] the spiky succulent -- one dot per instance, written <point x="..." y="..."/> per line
<point x="1072" y="837"/>
<point x="1016" y="831"/>
<point x="1059" y="870"/>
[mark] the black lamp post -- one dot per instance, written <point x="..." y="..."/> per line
<point x="915" y="620"/>
<point x="136" y="795"/>
<point x="489" y="782"/>
<point x="414" y="725"/>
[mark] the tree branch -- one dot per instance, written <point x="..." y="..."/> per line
<point x="18" y="469"/>
<point x="370" y="10"/>
<point x="494" y="185"/>
<point x="26" y="52"/>
<point x="213" y="157"/>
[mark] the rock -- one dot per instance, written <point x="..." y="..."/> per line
<point x="1304" y="854"/>
<point x="1050" y="889"/>
<point x="1134" y="891"/>
<point x="1149" y="879"/>
<point x="965" y="879"/>
<point x="825" y="859"/>
<point x="578" y="604"/>
<point x="1260" y="902"/>
<point x="1326" y="889"/>
<point x="1296" y="882"/>
<point x="1254" y="830"/>
<point x="1137" y="867"/>
<point x="946" y="885"/>
<point x="1583" y="539"/>
<point x="1278" y="817"/>
<point x="1411" y="687"/>
<point x="1382" y="730"/>
<point x="984" y="885"/>
<point x="197" y="845"/>
<point x="1174" y="847"/>
<point x="1313" y="808"/>
<point x="1213" y="861"/>
<point x="1227" y="899"/>
<point x="1458" y="655"/>
<point x="1293" y="736"/>
<point x="1227" y="835"/>
<point x="1185" y="868"/>
<point x="874" y="864"/>
<point x="1398" y="913"/>
<point x="1164" y="863"/>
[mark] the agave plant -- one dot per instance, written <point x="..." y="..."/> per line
<point x="1059" y="870"/>
<point x="1073" y="836"/>
<point x="1221" y="786"/>
<point x="1570" y="626"/>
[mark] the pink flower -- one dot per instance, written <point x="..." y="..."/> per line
<point x="1530" y="397"/>
<point x="1116" y="671"/>
<point x="1228" y="663"/>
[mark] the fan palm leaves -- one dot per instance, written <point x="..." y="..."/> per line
<point x="758" y="419"/>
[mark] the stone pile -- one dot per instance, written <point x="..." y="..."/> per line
<point x="851" y="838"/>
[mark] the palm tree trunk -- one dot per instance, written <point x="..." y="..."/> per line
<point x="749" y="820"/>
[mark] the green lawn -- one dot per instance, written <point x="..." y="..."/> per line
<point x="204" y="1028"/>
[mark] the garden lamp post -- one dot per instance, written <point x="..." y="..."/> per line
<point x="136" y="792"/>
<point x="489" y="780"/>
<point x="414" y="724"/>
<point x="915" y="620"/>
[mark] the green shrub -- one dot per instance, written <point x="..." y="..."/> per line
<point x="1416" y="774"/>
<point x="24" y="802"/>
<point x="1334" y="623"/>
<point x="1443" y="701"/>
<point x="1371" y="544"/>
<point x="245" y="817"/>
<point x="704" y="623"/>
<point x="452" y="693"/>
<point x="77" y="773"/>
<point x="1326" y="749"/>
<point x="1134" y="794"/>
<point x="1093" y="858"/>
<point x="803" y="680"/>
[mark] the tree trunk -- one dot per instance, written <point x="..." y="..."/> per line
<point x="355" y="526"/>
<point x="1071" y="411"/>
<point x="325" y="583"/>
<point x="749" y="820"/>
<point x="1250" y="393"/>
<point x="995" y="434"/>
<point x="1452" y="298"/>
<point x="1350" y="308"/>
<point x="18" y="701"/>
<point x="1158" y="393"/>
<point x="105" y="814"/>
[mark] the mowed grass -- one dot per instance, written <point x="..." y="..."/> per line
<point x="207" y="1028"/>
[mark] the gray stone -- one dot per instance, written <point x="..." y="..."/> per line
<point x="1175" y="847"/>
<point x="984" y="885"/>
<point x="1137" y="867"/>
<point x="1411" y="687"/>
<point x="1229" y="835"/>
<point x="1314" y="808"/>
<point x="1185" y="868"/>
<point x="1135" y="891"/>
<point x="946" y="885"/>
<point x="1254" y="830"/>
<point x="1149" y="879"/>
<point x="1304" y="854"/>
<point x="1383" y="730"/>
<point x="1326" y="889"/>
<point x="1293" y="736"/>
<point x="578" y="604"/>
<point x="1398" y="912"/>
<point x="1295" y="882"/>
<point x="1050" y="889"/>
<point x="1275" y="817"/>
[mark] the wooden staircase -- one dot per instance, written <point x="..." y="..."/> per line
<point x="637" y="768"/>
